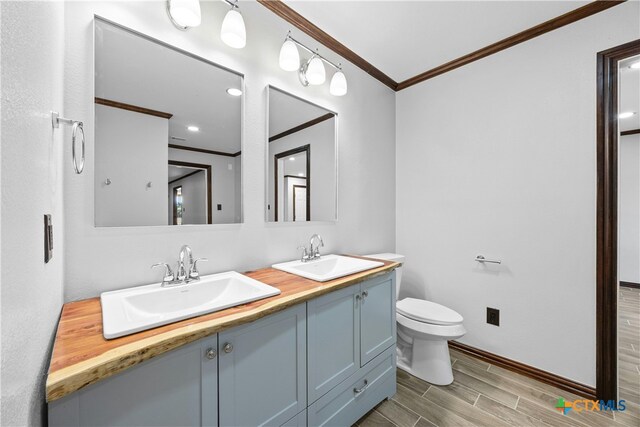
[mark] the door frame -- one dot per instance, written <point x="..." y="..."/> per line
<point x="207" y="169"/>
<point x="276" y="157"/>
<point x="607" y="218"/>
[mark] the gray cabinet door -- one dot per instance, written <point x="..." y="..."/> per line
<point x="178" y="388"/>
<point x="262" y="370"/>
<point x="377" y="316"/>
<point x="333" y="339"/>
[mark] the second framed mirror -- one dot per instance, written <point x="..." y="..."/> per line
<point x="301" y="160"/>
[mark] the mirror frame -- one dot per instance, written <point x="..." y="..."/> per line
<point x="269" y="169"/>
<point x="98" y="18"/>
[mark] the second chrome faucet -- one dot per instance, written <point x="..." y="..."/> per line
<point x="313" y="252"/>
<point x="185" y="272"/>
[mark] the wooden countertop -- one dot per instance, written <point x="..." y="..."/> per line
<point x="81" y="356"/>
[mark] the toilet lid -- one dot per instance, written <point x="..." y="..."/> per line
<point x="428" y="312"/>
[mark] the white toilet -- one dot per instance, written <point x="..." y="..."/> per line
<point x="424" y="328"/>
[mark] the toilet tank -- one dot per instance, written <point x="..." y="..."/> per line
<point x="387" y="256"/>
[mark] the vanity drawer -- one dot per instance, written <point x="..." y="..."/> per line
<point x="343" y="405"/>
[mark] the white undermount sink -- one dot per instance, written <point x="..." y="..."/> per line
<point x="137" y="309"/>
<point x="327" y="267"/>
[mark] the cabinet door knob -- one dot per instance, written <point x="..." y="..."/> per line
<point x="211" y="353"/>
<point x="365" y="294"/>
<point x="228" y="347"/>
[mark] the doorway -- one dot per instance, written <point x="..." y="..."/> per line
<point x="292" y="168"/>
<point x="607" y="219"/>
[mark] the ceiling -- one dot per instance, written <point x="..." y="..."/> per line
<point x="406" y="38"/>
<point x="296" y="165"/>
<point x="629" y="94"/>
<point x="176" y="172"/>
<point x="287" y="111"/>
<point x="137" y="71"/>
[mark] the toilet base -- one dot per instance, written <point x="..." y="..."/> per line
<point x="430" y="361"/>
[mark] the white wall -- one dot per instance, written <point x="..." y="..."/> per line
<point x="323" y="178"/>
<point x="629" y="216"/>
<point x="194" y="197"/>
<point x="32" y="175"/>
<point x="498" y="158"/>
<point x="132" y="149"/>
<point x="223" y="182"/>
<point x="111" y="258"/>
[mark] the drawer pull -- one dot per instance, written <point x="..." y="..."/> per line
<point x="361" y="389"/>
<point x="211" y="353"/>
<point x="228" y="348"/>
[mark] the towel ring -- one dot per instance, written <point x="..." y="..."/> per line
<point x="76" y="132"/>
<point x="77" y="127"/>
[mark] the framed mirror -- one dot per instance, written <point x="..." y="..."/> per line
<point x="301" y="160"/>
<point x="168" y="134"/>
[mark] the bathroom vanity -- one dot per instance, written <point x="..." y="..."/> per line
<point x="316" y="354"/>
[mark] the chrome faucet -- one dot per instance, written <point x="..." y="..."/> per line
<point x="314" y="251"/>
<point x="185" y="273"/>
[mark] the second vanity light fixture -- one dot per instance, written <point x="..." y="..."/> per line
<point x="185" y="14"/>
<point x="311" y="72"/>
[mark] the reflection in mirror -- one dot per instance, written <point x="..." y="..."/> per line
<point x="168" y="134"/>
<point x="302" y="150"/>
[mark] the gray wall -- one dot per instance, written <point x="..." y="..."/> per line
<point x="32" y="168"/>
<point x="498" y="158"/>
<point x="132" y="148"/>
<point x="102" y="259"/>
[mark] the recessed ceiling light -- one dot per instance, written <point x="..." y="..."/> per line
<point x="626" y="114"/>
<point x="234" y="92"/>
<point x="292" y="158"/>
<point x="635" y="65"/>
<point x="193" y="128"/>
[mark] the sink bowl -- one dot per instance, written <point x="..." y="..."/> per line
<point x="137" y="309"/>
<point x="327" y="267"/>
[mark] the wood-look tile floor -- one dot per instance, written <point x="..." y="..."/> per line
<point x="486" y="395"/>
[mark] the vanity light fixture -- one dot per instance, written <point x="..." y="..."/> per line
<point x="626" y="114"/>
<point x="314" y="71"/>
<point x="184" y="14"/>
<point x="289" y="56"/>
<point x="233" y="31"/>
<point x="338" y="85"/>
<point x="193" y="128"/>
<point x="234" y="92"/>
<point x="311" y="72"/>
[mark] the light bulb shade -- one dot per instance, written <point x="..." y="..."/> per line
<point x="338" y="86"/>
<point x="185" y="13"/>
<point x="233" y="31"/>
<point x="289" y="56"/>
<point x="315" y="71"/>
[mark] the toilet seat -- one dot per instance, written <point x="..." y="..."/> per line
<point x="428" y="331"/>
<point x="428" y="312"/>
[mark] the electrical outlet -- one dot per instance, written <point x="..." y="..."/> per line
<point x="493" y="316"/>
